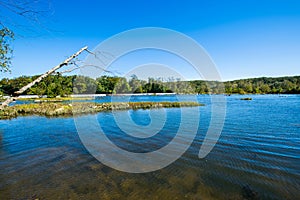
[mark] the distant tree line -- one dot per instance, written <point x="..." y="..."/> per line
<point x="264" y="85"/>
<point x="58" y="85"/>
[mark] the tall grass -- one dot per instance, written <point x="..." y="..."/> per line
<point x="61" y="109"/>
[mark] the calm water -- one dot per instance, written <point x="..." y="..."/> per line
<point x="256" y="157"/>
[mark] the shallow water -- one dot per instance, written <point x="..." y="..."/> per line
<point x="256" y="157"/>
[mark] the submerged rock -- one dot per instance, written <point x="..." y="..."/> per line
<point x="246" y="99"/>
<point x="248" y="193"/>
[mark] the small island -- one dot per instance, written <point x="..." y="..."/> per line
<point x="79" y="108"/>
<point x="246" y="99"/>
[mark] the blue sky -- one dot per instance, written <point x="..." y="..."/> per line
<point x="244" y="38"/>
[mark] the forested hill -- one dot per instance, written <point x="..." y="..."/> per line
<point x="57" y="85"/>
<point x="267" y="85"/>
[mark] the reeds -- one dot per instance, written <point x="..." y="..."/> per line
<point x="63" y="109"/>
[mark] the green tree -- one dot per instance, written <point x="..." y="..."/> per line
<point x="79" y="85"/>
<point x="135" y="84"/>
<point x="6" y="36"/>
<point x="40" y="89"/>
<point x="265" y="89"/>
<point x="122" y="86"/>
<point x="106" y="84"/>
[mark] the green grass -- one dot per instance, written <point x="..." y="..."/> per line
<point x="61" y="109"/>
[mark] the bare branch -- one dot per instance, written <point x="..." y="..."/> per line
<point x="105" y="55"/>
<point x="83" y="66"/>
<point x="33" y="11"/>
<point x="79" y="66"/>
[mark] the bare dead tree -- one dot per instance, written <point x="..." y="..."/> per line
<point x="40" y="78"/>
<point x="69" y="61"/>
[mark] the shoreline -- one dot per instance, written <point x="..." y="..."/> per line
<point x="91" y="96"/>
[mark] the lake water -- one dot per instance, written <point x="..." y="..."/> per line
<point x="257" y="155"/>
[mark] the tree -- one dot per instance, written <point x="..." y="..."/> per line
<point x="6" y="36"/>
<point x="40" y="78"/>
<point x="122" y="86"/>
<point x="265" y="89"/>
<point x="106" y="84"/>
<point x="40" y="89"/>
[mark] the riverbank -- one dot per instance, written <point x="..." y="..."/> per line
<point x="62" y="109"/>
<point x="78" y="97"/>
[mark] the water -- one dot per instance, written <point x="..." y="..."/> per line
<point x="256" y="157"/>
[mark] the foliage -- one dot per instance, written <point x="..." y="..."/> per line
<point x="57" y="85"/>
<point x="6" y="36"/>
<point x="264" y="85"/>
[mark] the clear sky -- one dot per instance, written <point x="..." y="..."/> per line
<point x="249" y="38"/>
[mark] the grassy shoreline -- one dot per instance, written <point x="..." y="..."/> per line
<point x="62" y="109"/>
<point x="46" y="99"/>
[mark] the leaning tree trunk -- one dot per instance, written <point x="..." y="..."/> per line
<point x="40" y="78"/>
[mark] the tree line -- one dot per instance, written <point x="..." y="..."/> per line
<point x="58" y="85"/>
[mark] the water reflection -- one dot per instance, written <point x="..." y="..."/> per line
<point x="257" y="157"/>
